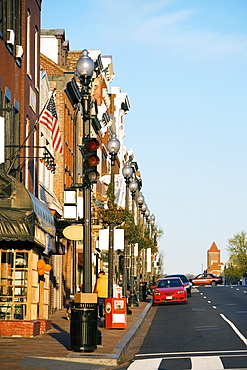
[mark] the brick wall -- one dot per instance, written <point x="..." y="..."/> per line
<point x="25" y="329"/>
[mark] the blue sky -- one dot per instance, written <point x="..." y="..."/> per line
<point x="183" y="65"/>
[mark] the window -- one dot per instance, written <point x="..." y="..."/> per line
<point x="27" y="152"/>
<point x="28" y="49"/>
<point x="12" y="131"/>
<point x="11" y="27"/>
<point x="36" y="56"/>
<point x="13" y="284"/>
<point x="3" y="11"/>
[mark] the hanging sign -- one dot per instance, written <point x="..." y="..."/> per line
<point x="73" y="232"/>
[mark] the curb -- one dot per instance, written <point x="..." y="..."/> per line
<point x="118" y="352"/>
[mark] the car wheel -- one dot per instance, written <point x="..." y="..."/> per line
<point x="213" y="283"/>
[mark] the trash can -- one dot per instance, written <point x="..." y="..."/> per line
<point x="83" y="327"/>
<point x="143" y="291"/>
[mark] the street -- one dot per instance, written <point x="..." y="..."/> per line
<point x="210" y="332"/>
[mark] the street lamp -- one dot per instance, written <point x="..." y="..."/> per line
<point x="113" y="146"/>
<point x="152" y="222"/>
<point x="84" y="71"/>
<point x="152" y="219"/>
<point x="83" y="323"/>
<point x="133" y="186"/>
<point x="127" y="172"/>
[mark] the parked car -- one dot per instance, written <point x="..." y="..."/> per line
<point x="169" y="290"/>
<point x="206" y="279"/>
<point x="185" y="281"/>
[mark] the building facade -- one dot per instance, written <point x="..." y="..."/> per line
<point x="215" y="266"/>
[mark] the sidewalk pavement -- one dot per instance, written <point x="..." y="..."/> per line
<point x="51" y="350"/>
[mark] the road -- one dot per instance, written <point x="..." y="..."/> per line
<point x="210" y="332"/>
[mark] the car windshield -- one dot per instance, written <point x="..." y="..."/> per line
<point x="169" y="283"/>
<point x="182" y="277"/>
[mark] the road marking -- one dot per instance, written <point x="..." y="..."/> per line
<point x="153" y="364"/>
<point x="211" y="362"/>
<point x="214" y="307"/>
<point x="205" y="353"/>
<point x="207" y="327"/>
<point x="209" y="301"/>
<point x="235" y="329"/>
<point x="241" y="311"/>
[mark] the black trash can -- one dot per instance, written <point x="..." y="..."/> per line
<point x="83" y="327"/>
<point x="143" y="291"/>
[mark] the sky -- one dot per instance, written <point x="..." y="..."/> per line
<point x="183" y="65"/>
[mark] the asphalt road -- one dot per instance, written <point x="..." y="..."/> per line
<point x="210" y="332"/>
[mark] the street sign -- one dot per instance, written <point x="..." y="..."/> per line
<point x="73" y="232"/>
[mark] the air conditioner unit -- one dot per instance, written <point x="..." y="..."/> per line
<point x="19" y="51"/>
<point x="10" y="36"/>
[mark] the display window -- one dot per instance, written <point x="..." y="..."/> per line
<point x="13" y="284"/>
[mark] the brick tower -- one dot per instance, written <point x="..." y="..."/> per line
<point x="213" y="262"/>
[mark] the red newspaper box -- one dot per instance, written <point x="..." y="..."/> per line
<point x="115" y="313"/>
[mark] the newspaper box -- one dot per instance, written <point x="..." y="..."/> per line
<point x="115" y="313"/>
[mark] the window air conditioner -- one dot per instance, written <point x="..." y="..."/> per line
<point x="19" y="51"/>
<point x="10" y="36"/>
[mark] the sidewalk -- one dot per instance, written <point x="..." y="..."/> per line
<point x="51" y="350"/>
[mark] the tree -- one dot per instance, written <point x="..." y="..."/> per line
<point x="237" y="248"/>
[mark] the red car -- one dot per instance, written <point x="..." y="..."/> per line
<point x="206" y="279"/>
<point x="169" y="290"/>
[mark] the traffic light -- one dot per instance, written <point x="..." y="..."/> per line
<point x="90" y="160"/>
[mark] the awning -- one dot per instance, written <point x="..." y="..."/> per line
<point x="24" y="217"/>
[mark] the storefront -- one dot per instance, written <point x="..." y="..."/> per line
<point x="27" y="235"/>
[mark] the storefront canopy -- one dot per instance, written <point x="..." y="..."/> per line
<point x="23" y="217"/>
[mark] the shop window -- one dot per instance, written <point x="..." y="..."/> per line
<point x="13" y="284"/>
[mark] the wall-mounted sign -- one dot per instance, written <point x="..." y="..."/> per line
<point x="73" y="232"/>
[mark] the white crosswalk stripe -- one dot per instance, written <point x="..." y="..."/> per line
<point x="209" y="362"/>
<point x="193" y="363"/>
<point x="150" y="364"/>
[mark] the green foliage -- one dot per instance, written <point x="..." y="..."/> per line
<point x="120" y="218"/>
<point x="232" y="273"/>
<point x="113" y="214"/>
<point x="132" y="232"/>
<point x="147" y="242"/>
<point x="237" y="249"/>
<point x="124" y="219"/>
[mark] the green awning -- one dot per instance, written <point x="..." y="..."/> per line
<point x="24" y="217"/>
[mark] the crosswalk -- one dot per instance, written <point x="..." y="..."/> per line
<point x="186" y="362"/>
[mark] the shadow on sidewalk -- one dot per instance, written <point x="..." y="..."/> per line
<point x="62" y="337"/>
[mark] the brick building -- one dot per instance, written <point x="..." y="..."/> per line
<point x="213" y="260"/>
<point x="27" y="227"/>
<point x="34" y="176"/>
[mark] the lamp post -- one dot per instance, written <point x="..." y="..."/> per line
<point x="84" y="71"/>
<point x="113" y="146"/>
<point x="152" y="222"/>
<point x="84" y="337"/>
<point x="133" y="186"/>
<point x="127" y="173"/>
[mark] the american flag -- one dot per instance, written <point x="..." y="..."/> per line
<point x="50" y="120"/>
